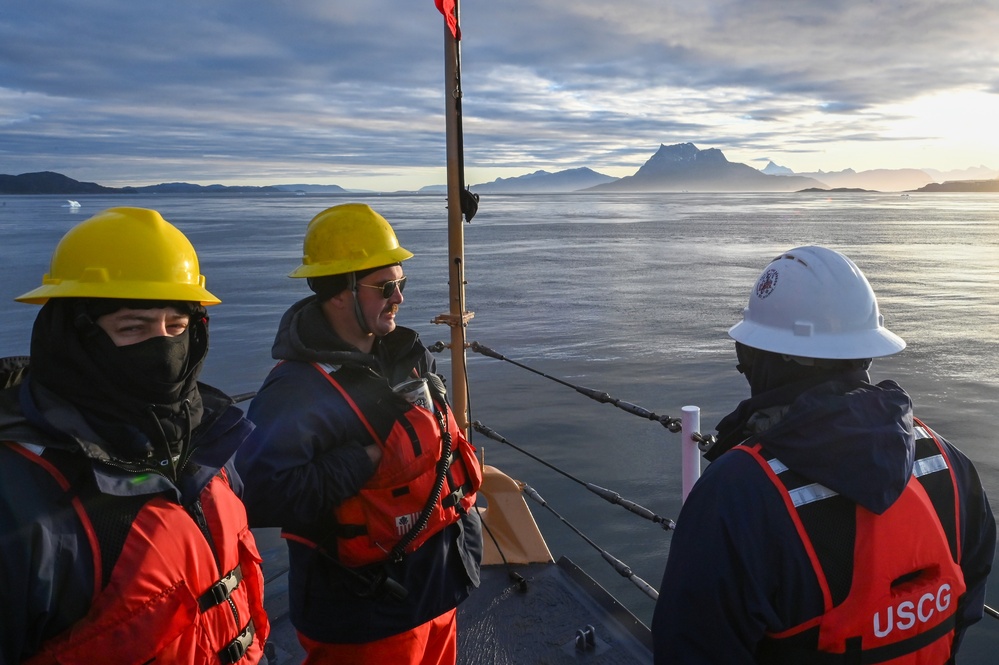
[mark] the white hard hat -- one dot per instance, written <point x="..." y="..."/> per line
<point x="813" y="302"/>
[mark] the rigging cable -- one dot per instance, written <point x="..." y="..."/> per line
<point x="606" y="494"/>
<point x="670" y="423"/>
<point x="622" y="568"/>
<point x="468" y="200"/>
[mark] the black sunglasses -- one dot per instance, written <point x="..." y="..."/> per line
<point x="389" y="287"/>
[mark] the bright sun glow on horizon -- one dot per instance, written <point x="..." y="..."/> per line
<point x="943" y="131"/>
<point x="967" y="116"/>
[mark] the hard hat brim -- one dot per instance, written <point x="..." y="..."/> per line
<point x="842" y="346"/>
<point x="122" y="290"/>
<point x="386" y="258"/>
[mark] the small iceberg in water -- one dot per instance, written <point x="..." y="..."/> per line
<point x="72" y="204"/>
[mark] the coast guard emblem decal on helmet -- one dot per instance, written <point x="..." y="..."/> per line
<point x="767" y="283"/>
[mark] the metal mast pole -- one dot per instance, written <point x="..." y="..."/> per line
<point x="457" y="318"/>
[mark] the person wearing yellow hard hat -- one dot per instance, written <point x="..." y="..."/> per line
<point x="121" y="528"/>
<point x="350" y="458"/>
<point x="832" y="525"/>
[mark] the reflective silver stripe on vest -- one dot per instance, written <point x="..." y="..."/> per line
<point x="805" y="494"/>
<point x="921" y="467"/>
<point x="777" y="466"/>
<point x="38" y="450"/>
<point x="928" y="465"/>
<point x="816" y="492"/>
<point x="810" y="493"/>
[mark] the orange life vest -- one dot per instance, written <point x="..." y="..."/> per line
<point x="180" y="591"/>
<point x="902" y="597"/>
<point x="370" y="523"/>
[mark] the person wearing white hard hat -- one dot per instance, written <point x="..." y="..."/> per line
<point x="832" y="525"/>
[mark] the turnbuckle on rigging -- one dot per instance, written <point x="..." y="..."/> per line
<point x="669" y="422"/>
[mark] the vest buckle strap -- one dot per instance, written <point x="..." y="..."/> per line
<point x="236" y="649"/>
<point x="451" y="500"/>
<point x="350" y="530"/>
<point x="219" y="592"/>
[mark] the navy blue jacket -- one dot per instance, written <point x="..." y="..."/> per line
<point x="46" y="564"/>
<point x="737" y="568"/>
<point x="306" y="456"/>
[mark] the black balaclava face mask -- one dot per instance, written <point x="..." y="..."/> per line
<point x="138" y="397"/>
<point x="776" y="380"/>
<point x="152" y="370"/>
<point x="766" y="371"/>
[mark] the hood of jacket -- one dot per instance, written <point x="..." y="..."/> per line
<point x="33" y="415"/>
<point x="304" y="335"/>
<point x="853" y="437"/>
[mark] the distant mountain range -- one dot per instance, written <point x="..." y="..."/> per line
<point x="49" y="182"/>
<point x="681" y="167"/>
<point x="990" y="185"/>
<point x="685" y="168"/>
<point x="885" y="180"/>
<point x="539" y="182"/>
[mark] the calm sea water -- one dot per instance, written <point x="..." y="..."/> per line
<point x="628" y="294"/>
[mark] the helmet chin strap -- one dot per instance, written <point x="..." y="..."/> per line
<point x="352" y="285"/>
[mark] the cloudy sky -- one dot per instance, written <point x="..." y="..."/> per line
<point x="352" y="92"/>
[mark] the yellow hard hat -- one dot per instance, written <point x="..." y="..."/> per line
<point x="347" y="238"/>
<point x="128" y="253"/>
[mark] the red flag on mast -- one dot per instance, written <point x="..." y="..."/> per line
<point x="447" y="7"/>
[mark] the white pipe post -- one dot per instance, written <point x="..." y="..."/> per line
<point x="690" y="454"/>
